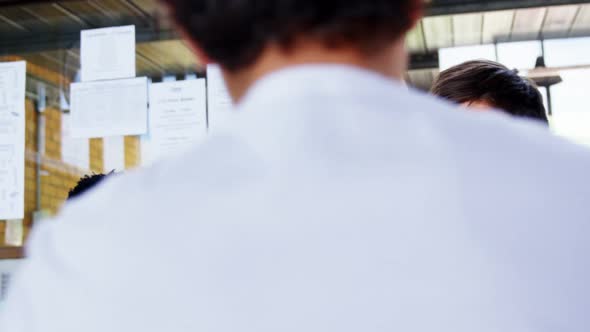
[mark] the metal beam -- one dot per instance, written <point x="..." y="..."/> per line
<point x="24" y="2"/>
<point x="449" y="7"/>
<point x="67" y="40"/>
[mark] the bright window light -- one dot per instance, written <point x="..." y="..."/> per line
<point x="449" y="57"/>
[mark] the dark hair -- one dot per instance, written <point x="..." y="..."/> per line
<point x="235" y="32"/>
<point x="86" y="183"/>
<point x="491" y="82"/>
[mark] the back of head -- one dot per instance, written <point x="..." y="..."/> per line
<point x="85" y="184"/>
<point x="234" y="33"/>
<point x="489" y="82"/>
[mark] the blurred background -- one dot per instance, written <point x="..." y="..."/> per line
<point x="546" y="40"/>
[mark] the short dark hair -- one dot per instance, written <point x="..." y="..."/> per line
<point x="235" y="32"/>
<point x="86" y="183"/>
<point x="493" y="83"/>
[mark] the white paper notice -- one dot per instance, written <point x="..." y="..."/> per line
<point x="220" y="103"/>
<point x="109" y="108"/>
<point x="114" y="153"/>
<point x="74" y="151"/>
<point x="12" y="139"/>
<point x="14" y="233"/>
<point x="178" y="117"/>
<point x="147" y="157"/>
<point x="107" y="53"/>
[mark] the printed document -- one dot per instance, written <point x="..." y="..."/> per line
<point x="12" y="139"/>
<point x="109" y="108"/>
<point x="178" y="116"/>
<point x="107" y="53"/>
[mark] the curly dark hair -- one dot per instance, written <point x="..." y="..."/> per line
<point x="493" y="83"/>
<point x="235" y="32"/>
<point x="85" y="184"/>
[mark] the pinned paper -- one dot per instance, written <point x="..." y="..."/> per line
<point x="220" y="104"/>
<point x="74" y="151"/>
<point x="114" y="153"/>
<point x="178" y="116"/>
<point x="14" y="232"/>
<point x="12" y="139"/>
<point x="107" y="53"/>
<point x="109" y="108"/>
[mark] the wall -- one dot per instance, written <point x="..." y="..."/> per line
<point x="57" y="177"/>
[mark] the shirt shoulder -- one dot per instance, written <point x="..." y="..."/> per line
<point x="498" y="133"/>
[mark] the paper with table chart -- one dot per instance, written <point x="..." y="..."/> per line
<point x="12" y="139"/>
<point x="74" y="151"/>
<point x="107" y="53"/>
<point x="220" y="104"/>
<point x="114" y="153"/>
<point x="178" y="117"/>
<point x="109" y="108"/>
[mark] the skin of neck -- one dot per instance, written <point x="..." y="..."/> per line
<point x="390" y="61"/>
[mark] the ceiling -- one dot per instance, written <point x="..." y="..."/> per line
<point x="500" y="26"/>
<point x="46" y="33"/>
<point x="535" y="23"/>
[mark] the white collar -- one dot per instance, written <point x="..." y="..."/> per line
<point x="330" y="80"/>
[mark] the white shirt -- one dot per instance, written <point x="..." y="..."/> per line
<point x="336" y="201"/>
